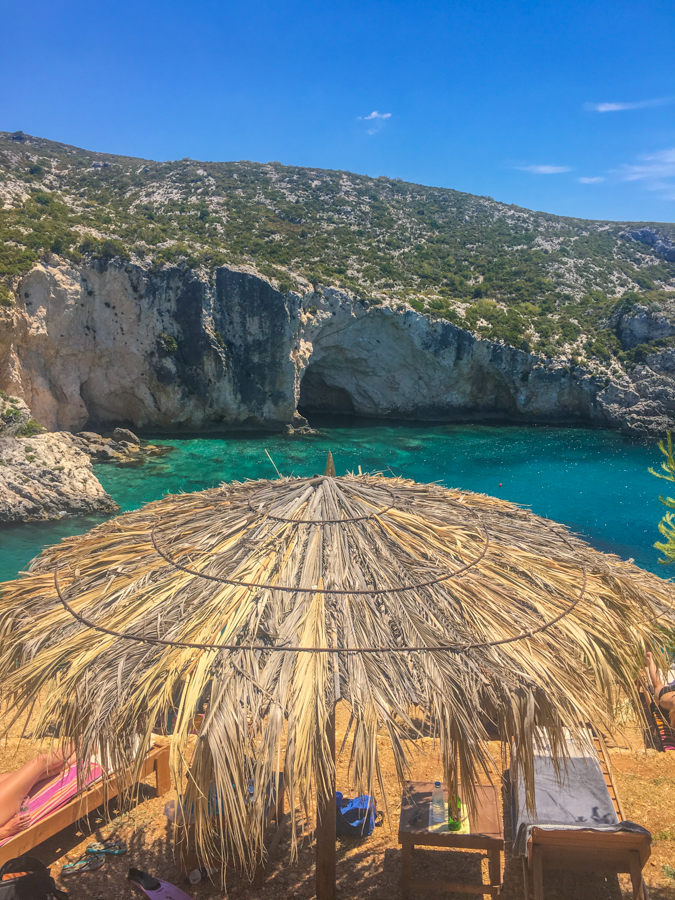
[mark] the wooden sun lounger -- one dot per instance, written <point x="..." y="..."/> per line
<point x="156" y="761"/>
<point x="658" y="733"/>
<point x="586" y="851"/>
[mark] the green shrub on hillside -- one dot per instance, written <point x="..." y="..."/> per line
<point x="30" y="429"/>
<point x="168" y="342"/>
<point x="103" y="249"/>
<point x="6" y="296"/>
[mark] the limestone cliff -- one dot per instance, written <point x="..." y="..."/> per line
<point x="168" y="349"/>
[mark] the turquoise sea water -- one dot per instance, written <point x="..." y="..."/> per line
<point x="596" y="482"/>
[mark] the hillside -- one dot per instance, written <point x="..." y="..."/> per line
<point x="557" y="287"/>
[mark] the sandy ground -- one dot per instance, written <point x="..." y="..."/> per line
<point x="369" y="868"/>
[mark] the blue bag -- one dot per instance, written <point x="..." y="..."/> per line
<point x="356" y="817"/>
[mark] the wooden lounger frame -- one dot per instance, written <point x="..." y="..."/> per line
<point x="157" y="761"/>
<point x="595" y="852"/>
<point x="653" y="739"/>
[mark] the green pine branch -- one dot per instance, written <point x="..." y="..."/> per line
<point x="667" y="524"/>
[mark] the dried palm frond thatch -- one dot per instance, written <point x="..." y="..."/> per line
<point x="385" y="593"/>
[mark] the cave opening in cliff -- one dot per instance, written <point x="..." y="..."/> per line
<point x="317" y="396"/>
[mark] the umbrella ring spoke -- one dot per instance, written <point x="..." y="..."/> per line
<point x="288" y="589"/>
<point x="452" y="648"/>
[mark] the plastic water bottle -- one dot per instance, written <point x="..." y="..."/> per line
<point x="437" y="804"/>
<point x="197" y="875"/>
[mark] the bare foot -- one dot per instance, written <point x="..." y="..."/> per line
<point x="18" y="823"/>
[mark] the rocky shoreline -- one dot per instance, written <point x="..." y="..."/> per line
<point x="48" y="476"/>
<point x="122" y="447"/>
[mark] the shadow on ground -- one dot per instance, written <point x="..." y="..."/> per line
<point x="365" y="869"/>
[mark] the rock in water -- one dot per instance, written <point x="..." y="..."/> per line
<point x="47" y="477"/>
<point x="123" y="434"/>
<point x="90" y="436"/>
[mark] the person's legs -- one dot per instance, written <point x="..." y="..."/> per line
<point x="15" y="785"/>
<point x="654" y="676"/>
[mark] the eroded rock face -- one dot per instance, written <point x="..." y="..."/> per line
<point x="114" y="344"/>
<point x="403" y="365"/>
<point x="641" y="324"/>
<point x="47" y="477"/>
<point x="14" y="415"/>
<point x="659" y="241"/>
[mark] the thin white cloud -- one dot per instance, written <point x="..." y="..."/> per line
<point x="378" y="120"/>
<point x="654" y="165"/>
<point x="596" y="179"/>
<point x="621" y="107"/>
<point x="655" y="170"/>
<point x="545" y="170"/>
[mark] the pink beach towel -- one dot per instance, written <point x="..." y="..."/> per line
<point x="48" y="796"/>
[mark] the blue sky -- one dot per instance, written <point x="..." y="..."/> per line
<point x="567" y="107"/>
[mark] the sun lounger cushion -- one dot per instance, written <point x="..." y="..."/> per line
<point x="48" y="796"/>
<point x="580" y="801"/>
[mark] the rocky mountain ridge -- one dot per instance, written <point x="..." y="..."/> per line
<point x="209" y="296"/>
<point x="541" y="283"/>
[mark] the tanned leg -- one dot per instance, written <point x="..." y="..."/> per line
<point x="15" y="785"/>
<point x="654" y="675"/>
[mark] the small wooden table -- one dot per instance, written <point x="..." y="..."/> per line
<point x="487" y="834"/>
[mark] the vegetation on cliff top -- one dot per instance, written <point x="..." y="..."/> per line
<point x="537" y="281"/>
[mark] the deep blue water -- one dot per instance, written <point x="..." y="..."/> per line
<point x="596" y="482"/>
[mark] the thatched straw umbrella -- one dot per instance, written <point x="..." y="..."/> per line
<point x="285" y="596"/>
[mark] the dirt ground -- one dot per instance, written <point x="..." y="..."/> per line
<point x="368" y="868"/>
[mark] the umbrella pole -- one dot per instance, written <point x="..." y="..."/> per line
<point x="325" y="830"/>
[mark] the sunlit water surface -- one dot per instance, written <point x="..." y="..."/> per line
<point x="596" y="482"/>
